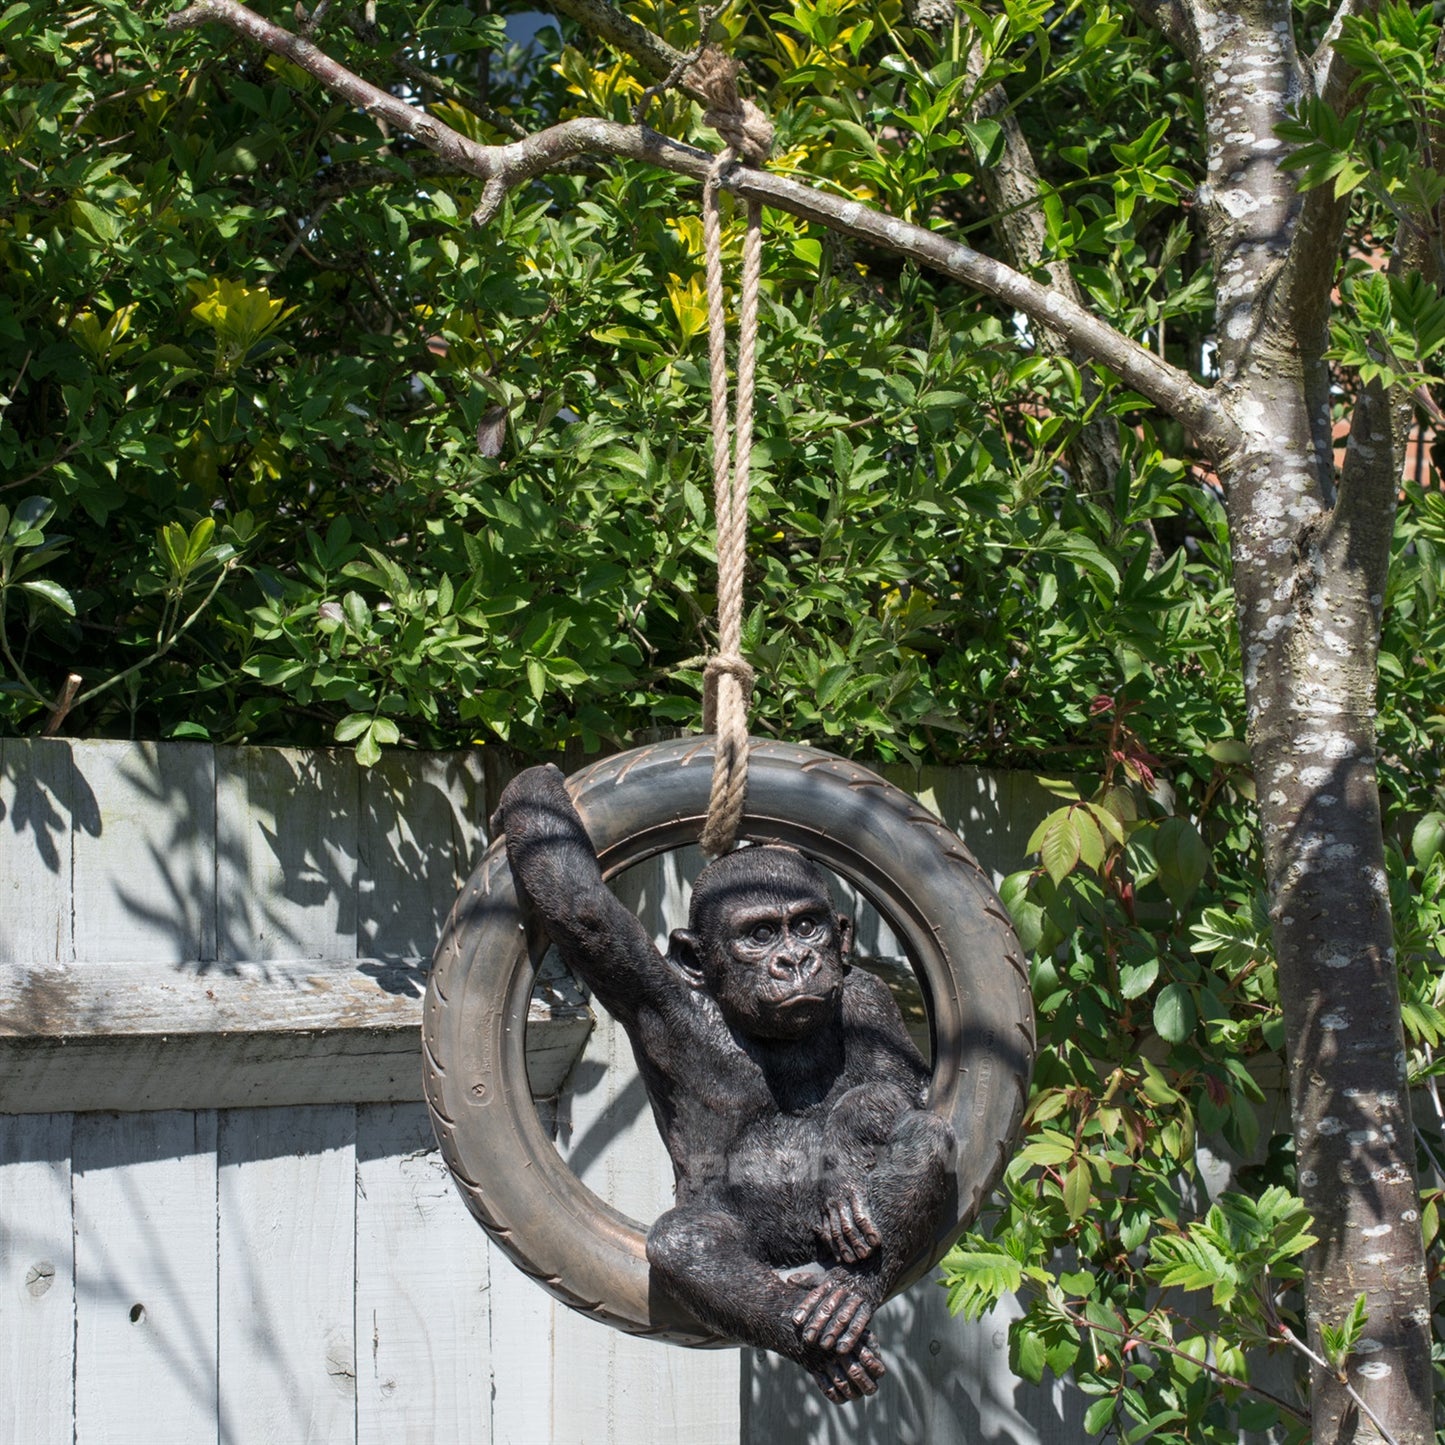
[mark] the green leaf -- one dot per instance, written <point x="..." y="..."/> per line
<point x="1028" y="916"/>
<point x="368" y="750"/>
<point x="358" y="614"/>
<point x="351" y="727"/>
<point x="1026" y="1352"/>
<point x="1174" y="1013"/>
<point x="1078" y="1189"/>
<point x="1137" y="978"/>
<point x="199" y="540"/>
<point x="1058" y="843"/>
<point x="1155" y="1087"/>
<point x="51" y="592"/>
<point x="1428" y="839"/>
<point x="31" y="515"/>
<point x="1339" y="1340"/>
<point x="1098" y="1415"/>
<point x="1182" y="857"/>
<point x="1230" y="751"/>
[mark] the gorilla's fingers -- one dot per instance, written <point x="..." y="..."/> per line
<point x="865" y="1223"/>
<point x="857" y="1225"/>
<point x="835" y="1383"/>
<point x="810" y="1303"/>
<point x="869" y="1357"/>
<point x="823" y="1313"/>
<point x="863" y="1383"/>
<point x="841" y="1321"/>
<point x="858" y="1327"/>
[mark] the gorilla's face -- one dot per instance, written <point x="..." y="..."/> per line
<point x="776" y="961"/>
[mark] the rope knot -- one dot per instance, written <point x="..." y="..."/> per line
<point x="720" y="665"/>
<point x="743" y="125"/>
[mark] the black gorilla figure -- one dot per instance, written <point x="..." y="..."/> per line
<point x="790" y="1098"/>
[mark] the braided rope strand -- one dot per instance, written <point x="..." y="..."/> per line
<point x="728" y="678"/>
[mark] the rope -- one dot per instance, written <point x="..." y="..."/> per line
<point x="728" y="677"/>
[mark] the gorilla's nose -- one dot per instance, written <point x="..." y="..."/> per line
<point x="799" y="962"/>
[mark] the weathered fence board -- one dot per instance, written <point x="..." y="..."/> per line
<point x="524" y="1361"/>
<point x="144" y="879"/>
<point x="37" y="1281"/>
<point x="258" y="938"/>
<point x="421" y="821"/>
<point x="43" y="805"/>
<point x="422" y="1290"/>
<point x="145" y="1277"/>
<point x="287" y="1248"/>
<point x="187" y="919"/>
<point x="286" y="854"/>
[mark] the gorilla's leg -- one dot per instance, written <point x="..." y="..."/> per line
<point x="886" y="1190"/>
<point x="707" y="1258"/>
<point x="887" y="1171"/>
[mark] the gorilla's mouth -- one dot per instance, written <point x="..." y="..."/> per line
<point x="800" y="1000"/>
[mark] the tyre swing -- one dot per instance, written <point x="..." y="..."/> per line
<point x="715" y="789"/>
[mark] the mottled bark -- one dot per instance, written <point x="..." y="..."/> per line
<point x="1310" y="563"/>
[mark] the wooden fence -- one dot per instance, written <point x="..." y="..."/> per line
<point x="222" y="1214"/>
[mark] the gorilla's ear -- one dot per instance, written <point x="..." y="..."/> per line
<point x="845" y="937"/>
<point x="685" y="956"/>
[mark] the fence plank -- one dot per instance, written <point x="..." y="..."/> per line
<point x="522" y="1354"/>
<point x="423" y="822"/>
<point x="145" y="881"/>
<point x="286" y="830"/>
<point x="993" y="813"/>
<point x="41" y="804"/>
<point x="37" y="1281"/>
<point x="167" y="1036"/>
<point x="287" y="1220"/>
<point x="145" y="1266"/>
<point x="423" y="1363"/>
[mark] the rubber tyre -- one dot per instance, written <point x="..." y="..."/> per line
<point x="913" y="869"/>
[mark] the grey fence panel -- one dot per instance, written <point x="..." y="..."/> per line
<point x="189" y="931"/>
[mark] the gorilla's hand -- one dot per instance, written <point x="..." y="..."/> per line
<point x="847" y="1228"/>
<point x="834" y="1315"/>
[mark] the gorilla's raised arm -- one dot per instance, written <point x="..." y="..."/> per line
<point x="556" y="870"/>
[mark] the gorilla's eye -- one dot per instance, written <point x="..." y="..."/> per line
<point x="762" y="933"/>
<point x="805" y="927"/>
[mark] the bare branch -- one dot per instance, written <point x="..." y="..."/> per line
<point x="1295" y="1343"/>
<point x="63" y="704"/>
<point x="1326" y="66"/>
<point x="1308" y="279"/>
<point x="504" y="167"/>
<point x="1379" y="432"/>
<point x="655" y="55"/>
<point x="1013" y="192"/>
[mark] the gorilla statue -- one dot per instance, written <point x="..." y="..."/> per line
<point x="809" y="1174"/>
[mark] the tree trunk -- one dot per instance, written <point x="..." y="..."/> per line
<point x="1310" y="635"/>
<point x="1310" y="561"/>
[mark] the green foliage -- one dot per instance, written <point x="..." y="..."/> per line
<point x="469" y="478"/>
<point x="1155" y="990"/>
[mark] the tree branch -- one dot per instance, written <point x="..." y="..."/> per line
<point x="1129" y="1337"/>
<point x="652" y="52"/>
<point x="1012" y="189"/>
<point x="504" y="167"/>
<point x="1295" y="1343"/>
